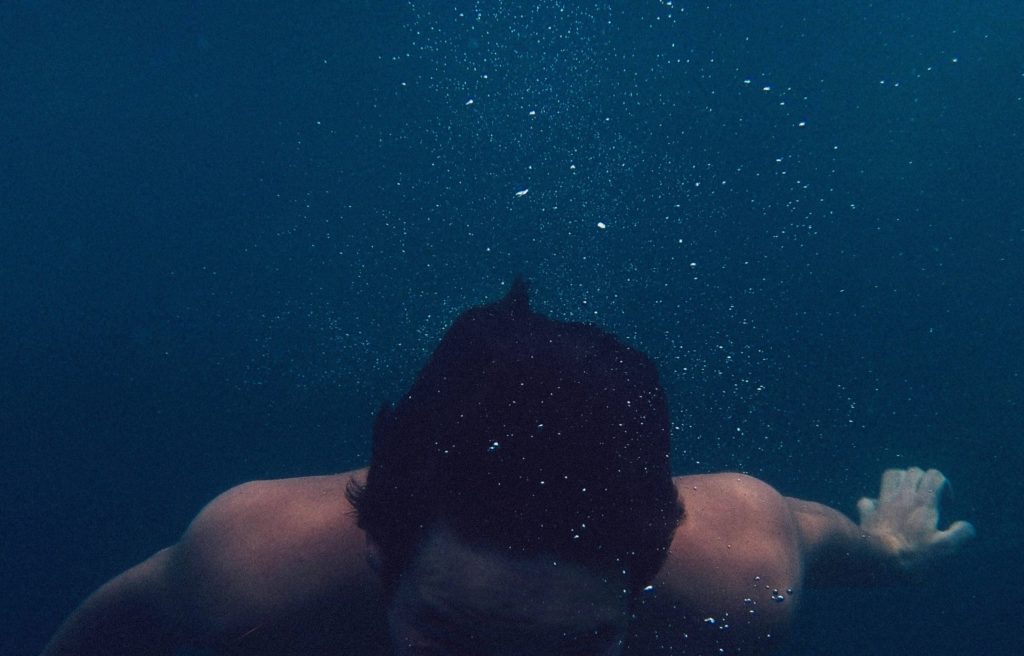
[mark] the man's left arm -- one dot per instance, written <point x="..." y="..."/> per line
<point x="898" y="537"/>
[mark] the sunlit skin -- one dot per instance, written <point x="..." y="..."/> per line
<point x="280" y="567"/>
<point x="336" y="565"/>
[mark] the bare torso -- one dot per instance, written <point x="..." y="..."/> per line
<point x="279" y="567"/>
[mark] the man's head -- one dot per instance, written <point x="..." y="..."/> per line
<point x="456" y="599"/>
<point x="536" y="447"/>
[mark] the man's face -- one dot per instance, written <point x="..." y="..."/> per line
<point x="458" y="600"/>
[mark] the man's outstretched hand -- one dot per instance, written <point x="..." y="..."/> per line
<point x="905" y="517"/>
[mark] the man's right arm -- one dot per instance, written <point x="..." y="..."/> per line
<point x="154" y="607"/>
<point x="259" y="550"/>
<point x="136" y="612"/>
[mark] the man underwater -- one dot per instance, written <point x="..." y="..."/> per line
<point x="519" y="502"/>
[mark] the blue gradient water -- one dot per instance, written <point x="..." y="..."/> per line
<point x="228" y="234"/>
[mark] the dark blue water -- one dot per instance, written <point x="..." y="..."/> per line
<point x="227" y="234"/>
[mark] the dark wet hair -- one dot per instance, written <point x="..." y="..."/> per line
<point x="530" y="436"/>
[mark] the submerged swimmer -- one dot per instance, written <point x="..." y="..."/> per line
<point x="519" y="502"/>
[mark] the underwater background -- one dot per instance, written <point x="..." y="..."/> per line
<point x="229" y="232"/>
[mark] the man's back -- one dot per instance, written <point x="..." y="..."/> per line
<point x="280" y="567"/>
<point x="518" y="502"/>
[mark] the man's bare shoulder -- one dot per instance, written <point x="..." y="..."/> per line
<point x="735" y="555"/>
<point x="267" y="549"/>
<point x="736" y="520"/>
<point x="709" y="493"/>
<point x="307" y="504"/>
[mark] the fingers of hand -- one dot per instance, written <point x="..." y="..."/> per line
<point x="912" y="485"/>
<point x="892" y="481"/>
<point x="923" y="518"/>
<point x="899" y="483"/>
<point x="954" y="537"/>
<point x="929" y="490"/>
<point x="866" y="508"/>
